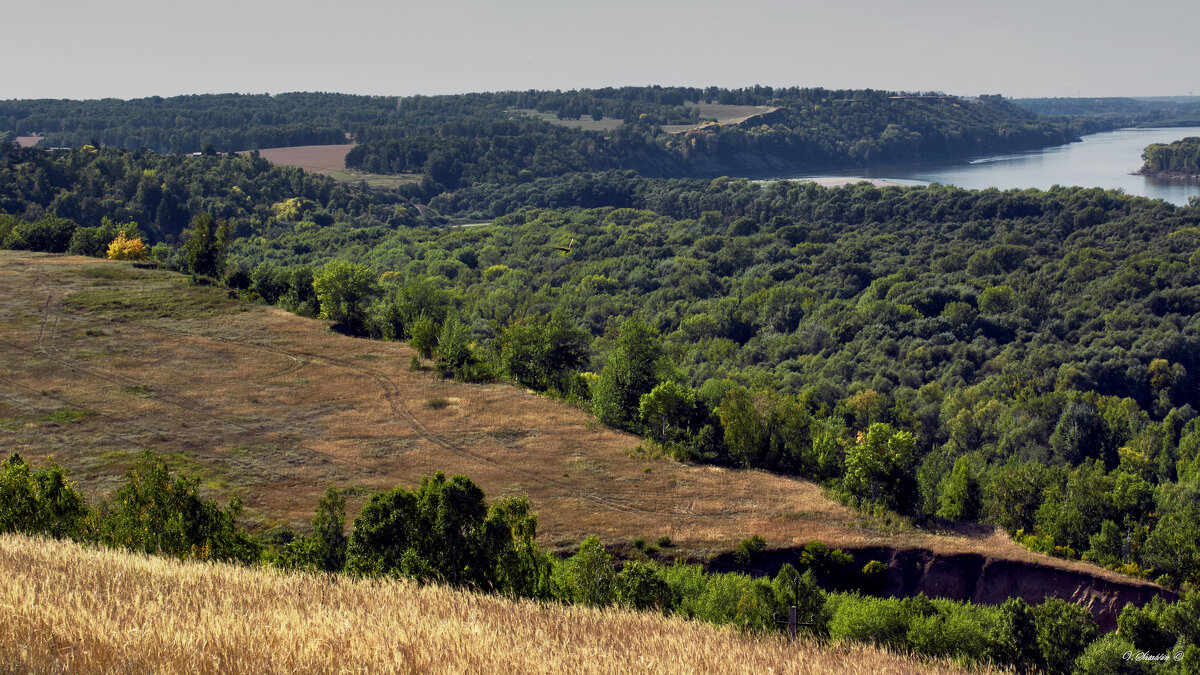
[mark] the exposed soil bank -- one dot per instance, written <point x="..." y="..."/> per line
<point x="973" y="577"/>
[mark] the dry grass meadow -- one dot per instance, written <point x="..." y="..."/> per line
<point x="65" y="608"/>
<point x="330" y="160"/>
<point x="99" y="360"/>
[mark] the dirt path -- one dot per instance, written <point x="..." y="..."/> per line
<point x="99" y="360"/>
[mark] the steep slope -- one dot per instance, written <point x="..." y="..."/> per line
<point x="101" y="359"/>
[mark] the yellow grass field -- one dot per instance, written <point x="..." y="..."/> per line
<point x="65" y="608"/>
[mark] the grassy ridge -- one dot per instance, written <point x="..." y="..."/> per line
<point x="65" y="607"/>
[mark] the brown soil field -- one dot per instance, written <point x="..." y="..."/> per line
<point x="28" y="141"/>
<point x="99" y="360"/>
<point x="330" y="160"/>
<point x="65" y="608"/>
<point x="314" y="158"/>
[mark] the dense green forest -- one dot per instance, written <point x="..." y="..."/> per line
<point x="1181" y="157"/>
<point x="1023" y="358"/>
<point x="454" y="141"/>
<point x="161" y="193"/>
<point x="444" y="531"/>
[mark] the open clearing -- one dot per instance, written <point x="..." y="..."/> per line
<point x="99" y="359"/>
<point x="586" y="123"/>
<point x="330" y="160"/>
<point x="66" y="608"/>
<point x="723" y="114"/>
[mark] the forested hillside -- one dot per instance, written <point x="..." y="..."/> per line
<point x="511" y="137"/>
<point x="1025" y="358"/>
<point x="161" y="193"/>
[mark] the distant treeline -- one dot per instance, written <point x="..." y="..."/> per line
<point x="812" y="128"/>
<point x="459" y="140"/>
<point x="444" y="531"/>
<point x="1146" y="112"/>
<point x="1179" y="157"/>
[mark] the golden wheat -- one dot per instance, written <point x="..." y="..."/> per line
<point x="64" y="607"/>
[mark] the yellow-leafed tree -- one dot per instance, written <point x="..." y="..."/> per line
<point x="123" y="248"/>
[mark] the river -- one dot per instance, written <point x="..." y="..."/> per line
<point x="1104" y="160"/>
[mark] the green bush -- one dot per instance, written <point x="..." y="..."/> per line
<point x="640" y="586"/>
<point x="39" y="502"/>
<point x="1064" y="630"/>
<point x="588" y="577"/>
<point x="49" y="234"/>
<point x="1111" y="655"/>
<point x="877" y="621"/>
<point x="156" y="513"/>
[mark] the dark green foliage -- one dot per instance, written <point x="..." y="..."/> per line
<point x="633" y="368"/>
<point x="523" y="569"/>
<point x="1180" y="157"/>
<point x="39" y="501"/>
<point x="155" y="513"/>
<point x="961" y="494"/>
<point x="802" y="591"/>
<point x="640" y="585"/>
<point x="441" y="531"/>
<point x="454" y="355"/>
<point x="50" y="234"/>
<point x="94" y="241"/>
<point x="1111" y="654"/>
<point x="880" y="468"/>
<point x="1064" y="630"/>
<point x="204" y="252"/>
<point x="543" y="353"/>
<point x="748" y="548"/>
<point x="589" y="577"/>
<point x="343" y="290"/>
<point x="1014" y="636"/>
<point x="328" y="541"/>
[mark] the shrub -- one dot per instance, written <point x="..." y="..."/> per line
<point x="124" y="248"/>
<point x="588" y="577"/>
<point x="1064" y="630"/>
<point x="39" y="502"/>
<point x="640" y="586"/>
<point x="882" y="622"/>
<point x="748" y="548"/>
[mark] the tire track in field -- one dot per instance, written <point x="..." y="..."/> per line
<point x="391" y="394"/>
<point x="398" y="406"/>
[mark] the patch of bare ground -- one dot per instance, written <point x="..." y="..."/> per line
<point x="723" y="114"/>
<point x="274" y="407"/>
<point x="330" y="160"/>
<point x="65" y="608"/>
<point x="314" y="158"/>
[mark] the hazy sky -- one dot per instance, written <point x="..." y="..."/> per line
<point x="135" y="48"/>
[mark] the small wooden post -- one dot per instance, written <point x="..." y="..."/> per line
<point x="792" y="623"/>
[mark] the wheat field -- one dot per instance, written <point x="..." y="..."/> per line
<point x="67" y="608"/>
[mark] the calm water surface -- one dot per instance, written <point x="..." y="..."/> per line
<point x="1101" y="160"/>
